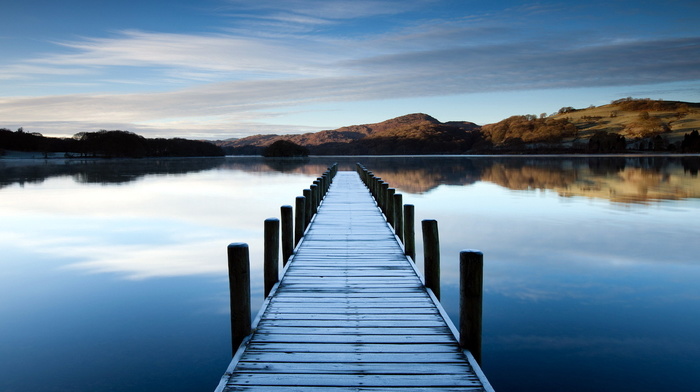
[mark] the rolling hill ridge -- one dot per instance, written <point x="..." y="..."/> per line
<point x="624" y="124"/>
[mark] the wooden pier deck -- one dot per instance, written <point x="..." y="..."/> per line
<point x="351" y="314"/>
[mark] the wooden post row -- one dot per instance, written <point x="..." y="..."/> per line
<point x="239" y="257"/>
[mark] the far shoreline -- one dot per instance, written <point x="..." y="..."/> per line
<point x="29" y="156"/>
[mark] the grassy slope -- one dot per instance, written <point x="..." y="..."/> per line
<point x="590" y="120"/>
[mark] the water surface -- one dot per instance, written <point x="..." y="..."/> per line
<point x="114" y="272"/>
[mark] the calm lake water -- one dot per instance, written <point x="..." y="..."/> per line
<point x="113" y="273"/>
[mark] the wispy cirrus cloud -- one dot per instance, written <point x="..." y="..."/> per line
<point x="322" y="10"/>
<point x="213" y="53"/>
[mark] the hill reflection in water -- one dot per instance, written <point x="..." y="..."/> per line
<point x="619" y="179"/>
<point x="623" y="179"/>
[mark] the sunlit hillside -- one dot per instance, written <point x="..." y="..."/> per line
<point x="635" y="118"/>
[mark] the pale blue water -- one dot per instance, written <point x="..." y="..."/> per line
<point x="113" y="274"/>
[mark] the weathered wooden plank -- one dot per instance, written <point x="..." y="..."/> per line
<point x="349" y="311"/>
<point x="336" y="367"/>
<point x="352" y="304"/>
<point x="342" y="318"/>
<point x="360" y="380"/>
<point x="394" y="298"/>
<point x="349" y="357"/>
<point x="290" y="388"/>
<point x="341" y="269"/>
<point x="349" y="289"/>
<point x="303" y="285"/>
<point x="263" y="337"/>
<point x="353" y="330"/>
<point x="426" y="322"/>
<point x="356" y="347"/>
<point x="370" y="294"/>
<point x="359" y="276"/>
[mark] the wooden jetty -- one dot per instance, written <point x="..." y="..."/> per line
<point x="350" y="313"/>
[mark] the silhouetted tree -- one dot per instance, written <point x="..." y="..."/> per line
<point x="603" y="141"/>
<point x="285" y="148"/>
<point x="109" y="144"/>
<point x="691" y="142"/>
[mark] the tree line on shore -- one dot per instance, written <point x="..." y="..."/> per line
<point x="106" y="144"/>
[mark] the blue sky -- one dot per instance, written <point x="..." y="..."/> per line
<point x="216" y="69"/>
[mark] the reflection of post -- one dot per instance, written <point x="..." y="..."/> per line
<point x="409" y="232"/>
<point x="239" y="291"/>
<point x="287" y="232"/>
<point x="471" y="283"/>
<point x="431" y="254"/>
<point x="272" y="253"/>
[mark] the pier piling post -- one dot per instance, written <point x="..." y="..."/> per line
<point x="272" y="253"/>
<point x="299" y="219"/>
<point x="239" y="291"/>
<point x="398" y="216"/>
<point x="384" y="192"/>
<point x="377" y="184"/>
<point x="471" y="287"/>
<point x="287" y="216"/>
<point x="314" y="198"/>
<point x="409" y="231"/>
<point x="321" y="189"/>
<point x="390" y="217"/>
<point x="431" y="254"/>
<point x="307" y="210"/>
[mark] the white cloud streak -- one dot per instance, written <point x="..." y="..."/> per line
<point x="212" y="53"/>
<point x="323" y="10"/>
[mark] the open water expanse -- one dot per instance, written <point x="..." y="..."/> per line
<point x="113" y="274"/>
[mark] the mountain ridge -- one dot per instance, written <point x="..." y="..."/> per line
<point x="339" y="135"/>
<point x="628" y="123"/>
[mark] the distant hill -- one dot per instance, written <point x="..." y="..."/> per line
<point x="410" y="134"/>
<point x="623" y="125"/>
